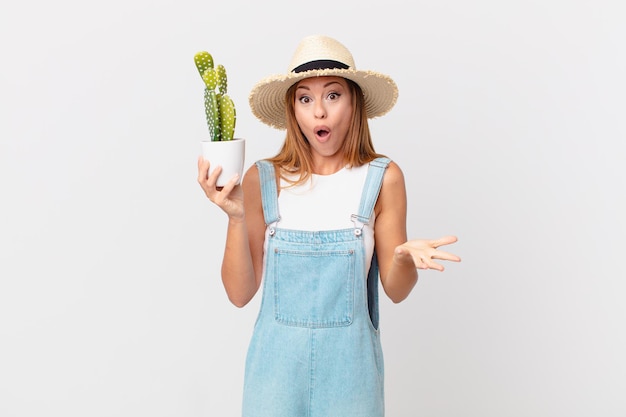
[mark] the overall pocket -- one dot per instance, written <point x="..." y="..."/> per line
<point x="314" y="288"/>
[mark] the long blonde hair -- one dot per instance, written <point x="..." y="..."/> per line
<point x="294" y="157"/>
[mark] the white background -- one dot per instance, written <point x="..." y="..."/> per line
<point x="509" y="128"/>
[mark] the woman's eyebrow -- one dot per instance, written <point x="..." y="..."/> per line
<point x="325" y="85"/>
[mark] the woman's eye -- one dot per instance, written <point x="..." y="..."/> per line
<point x="304" y="99"/>
<point x="333" y="96"/>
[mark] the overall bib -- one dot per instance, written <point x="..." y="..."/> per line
<point x="315" y="350"/>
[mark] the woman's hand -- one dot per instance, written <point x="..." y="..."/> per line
<point x="422" y="252"/>
<point x="229" y="198"/>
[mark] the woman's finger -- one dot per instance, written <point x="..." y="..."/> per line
<point x="203" y="169"/>
<point x="434" y="265"/>
<point x="445" y="256"/>
<point x="446" y="240"/>
<point x="229" y="186"/>
<point x="212" y="179"/>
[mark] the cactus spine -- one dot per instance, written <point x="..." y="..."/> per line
<point x="218" y="106"/>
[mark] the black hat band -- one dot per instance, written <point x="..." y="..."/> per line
<point x="320" y="64"/>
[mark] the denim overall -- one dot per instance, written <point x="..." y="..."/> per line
<point x="315" y="350"/>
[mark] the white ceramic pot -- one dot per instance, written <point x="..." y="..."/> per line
<point x="230" y="155"/>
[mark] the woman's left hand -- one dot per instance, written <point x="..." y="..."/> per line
<point x="423" y="252"/>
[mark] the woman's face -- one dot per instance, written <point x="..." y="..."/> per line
<point x="323" y="108"/>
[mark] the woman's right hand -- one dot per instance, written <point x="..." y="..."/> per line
<point x="229" y="198"/>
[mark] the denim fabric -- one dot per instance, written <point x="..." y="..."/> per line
<point x="315" y="350"/>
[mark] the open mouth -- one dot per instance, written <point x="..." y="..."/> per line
<point x="322" y="133"/>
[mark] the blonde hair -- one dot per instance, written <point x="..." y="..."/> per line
<point x="294" y="157"/>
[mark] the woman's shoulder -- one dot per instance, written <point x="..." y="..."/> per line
<point x="393" y="180"/>
<point x="252" y="173"/>
<point x="393" y="173"/>
<point x="393" y="190"/>
<point x="252" y="179"/>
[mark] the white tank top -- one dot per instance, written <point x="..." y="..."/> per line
<point x="326" y="202"/>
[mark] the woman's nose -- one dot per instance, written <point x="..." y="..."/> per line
<point x="320" y="110"/>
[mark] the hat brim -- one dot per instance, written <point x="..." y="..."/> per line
<point x="267" y="98"/>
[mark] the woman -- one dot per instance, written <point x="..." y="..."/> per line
<point x="317" y="224"/>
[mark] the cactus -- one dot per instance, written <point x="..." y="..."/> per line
<point x="218" y="106"/>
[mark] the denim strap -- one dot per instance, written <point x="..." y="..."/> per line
<point x="371" y="189"/>
<point x="373" y="183"/>
<point x="269" y="195"/>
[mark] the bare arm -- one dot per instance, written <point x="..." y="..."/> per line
<point x="398" y="258"/>
<point x="243" y="253"/>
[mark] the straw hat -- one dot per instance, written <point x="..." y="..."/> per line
<point x="320" y="56"/>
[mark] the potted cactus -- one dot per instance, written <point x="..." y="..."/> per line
<point x="221" y="148"/>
